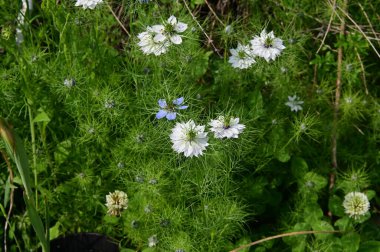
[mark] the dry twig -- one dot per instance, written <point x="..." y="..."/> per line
<point x="118" y="20"/>
<point x="280" y="236"/>
<point x="209" y="40"/>
<point x="328" y="27"/>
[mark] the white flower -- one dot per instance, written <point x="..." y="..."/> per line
<point x="267" y="46"/>
<point x="189" y="139"/>
<point x="152" y="241"/>
<point x="149" y="45"/>
<point x="294" y="103"/>
<point x="90" y="4"/>
<point x="226" y="127"/>
<point x="169" y="31"/>
<point x="356" y="204"/>
<point x="242" y="57"/>
<point x="116" y="202"/>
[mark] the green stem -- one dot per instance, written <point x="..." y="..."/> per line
<point x="34" y="152"/>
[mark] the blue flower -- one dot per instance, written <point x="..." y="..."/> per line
<point x="169" y="111"/>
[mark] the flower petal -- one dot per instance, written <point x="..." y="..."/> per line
<point x="182" y="107"/>
<point x="180" y="27"/>
<point x="161" y="114"/>
<point x="159" y="37"/>
<point x="162" y="103"/>
<point x="171" y="116"/>
<point x="178" y="101"/>
<point x="176" y="39"/>
<point x="172" y="20"/>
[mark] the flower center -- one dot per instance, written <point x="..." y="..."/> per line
<point x="226" y="123"/>
<point x="268" y="43"/>
<point x="191" y="135"/>
<point x="169" y="29"/>
<point x="241" y="54"/>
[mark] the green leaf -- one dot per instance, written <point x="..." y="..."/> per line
<point x="282" y="155"/>
<point x="322" y="226"/>
<point x="313" y="213"/>
<point x="350" y="242"/>
<point x="299" y="167"/>
<point x="315" y="180"/>
<point x="370" y="194"/>
<point x="36" y="223"/>
<point x="62" y="152"/>
<point x="336" y="207"/>
<point x="54" y="231"/>
<point x="297" y="241"/>
<point x="370" y="246"/>
<point x="344" y="224"/>
<point x="41" y="117"/>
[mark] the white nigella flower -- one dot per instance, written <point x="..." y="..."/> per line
<point x="242" y="57"/>
<point x="116" y="202"/>
<point x="294" y="103"/>
<point x="88" y="4"/>
<point x="356" y="204"/>
<point x="189" y="139"/>
<point x="169" y="31"/>
<point x="226" y="127"/>
<point x="267" y="45"/>
<point x="149" y="46"/>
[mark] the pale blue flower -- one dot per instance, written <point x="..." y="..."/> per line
<point x="169" y="111"/>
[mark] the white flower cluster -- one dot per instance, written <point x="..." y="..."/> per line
<point x="266" y="46"/>
<point x="88" y="4"/>
<point x="356" y="204"/>
<point x="116" y="202"/>
<point x="157" y="38"/>
<point x="191" y="139"/>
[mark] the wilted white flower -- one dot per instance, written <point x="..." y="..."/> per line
<point x="69" y="82"/>
<point x="149" y="46"/>
<point x="169" y="31"/>
<point x="88" y="4"/>
<point x="229" y="29"/>
<point x="189" y="139"/>
<point x="109" y="104"/>
<point x="116" y="202"/>
<point x="226" y="127"/>
<point x="267" y="45"/>
<point x="294" y="103"/>
<point x="152" y="241"/>
<point x="356" y="204"/>
<point x="242" y="57"/>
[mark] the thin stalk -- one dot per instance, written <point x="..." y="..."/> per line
<point x="10" y="200"/>
<point x="280" y="236"/>
<point x="34" y="150"/>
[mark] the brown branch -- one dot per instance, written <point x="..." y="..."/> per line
<point x="10" y="199"/>
<point x="361" y="31"/>
<point x="118" y="20"/>
<point x="209" y="40"/>
<point x="213" y="12"/>
<point x="282" y="235"/>
<point x="370" y="24"/>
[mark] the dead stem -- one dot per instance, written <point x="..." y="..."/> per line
<point x="360" y="30"/>
<point x="213" y="12"/>
<point x="282" y="235"/>
<point x="10" y="200"/>
<point x="363" y="71"/>
<point x="209" y="40"/>
<point x="328" y="26"/>
<point x="370" y="24"/>
<point x="118" y="20"/>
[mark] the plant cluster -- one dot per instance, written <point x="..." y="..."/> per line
<point x="115" y="104"/>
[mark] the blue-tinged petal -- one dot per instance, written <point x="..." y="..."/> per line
<point x="162" y="103"/>
<point x="171" y="116"/>
<point x="183" y="107"/>
<point x="161" y="114"/>
<point x="178" y="101"/>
